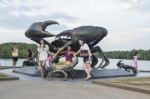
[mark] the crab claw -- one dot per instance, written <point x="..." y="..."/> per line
<point x="37" y="30"/>
<point x="67" y="33"/>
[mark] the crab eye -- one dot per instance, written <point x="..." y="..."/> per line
<point x="65" y="37"/>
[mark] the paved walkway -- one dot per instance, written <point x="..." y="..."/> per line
<point x="43" y="89"/>
<point x="36" y="88"/>
<point x="21" y="76"/>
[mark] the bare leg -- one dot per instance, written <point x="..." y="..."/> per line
<point x="68" y="63"/>
<point x="14" y="64"/>
<point x="41" y="68"/>
<point x="88" y="66"/>
<point x="86" y="70"/>
<point x="134" y="69"/>
<point x="44" y="68"/>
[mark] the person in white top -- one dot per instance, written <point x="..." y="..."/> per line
<point x="43" y="50"/>
<point x="87" y="59"/>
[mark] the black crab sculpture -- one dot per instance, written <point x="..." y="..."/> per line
<point x="91" y="35"/>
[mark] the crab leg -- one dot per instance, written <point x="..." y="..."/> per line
<point x="104" y="58"/>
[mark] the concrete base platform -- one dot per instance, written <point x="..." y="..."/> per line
<point x="105" y="73"/>
<point x="96" y="73"/>
<point x="32" y="71"/>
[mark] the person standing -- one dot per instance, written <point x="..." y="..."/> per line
<point x="14" y="55"/>
<point x="135" y="62"/>
<point x="87" y="58"/>
<point x="43" y="51"/>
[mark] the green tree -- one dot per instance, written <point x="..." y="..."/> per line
<point x="6" y="49"/>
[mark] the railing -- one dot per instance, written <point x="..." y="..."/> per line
<point x="4" y="62"/>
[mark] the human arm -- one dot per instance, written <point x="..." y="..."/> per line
<point x="59" y="50"/>
<point x="38" y="49"/>
<point x="90" y="54"/>
<point x="77" y="52"/>
<point x="88" y="49"/>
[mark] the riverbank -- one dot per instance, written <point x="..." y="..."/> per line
<point x="5" y="67"/>
<point x="4" y="77"/>
<point x="138" y="84"/>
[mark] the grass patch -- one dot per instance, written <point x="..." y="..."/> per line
<point x="137" y="81"/>
<point x="138" y="84"/>
<point x="2" y="76"/>
<point x="4" y="67"/>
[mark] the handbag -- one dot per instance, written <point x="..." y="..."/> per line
<point x="84" y="53"/>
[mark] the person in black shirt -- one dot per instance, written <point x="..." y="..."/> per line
<point x="29" y="55"/>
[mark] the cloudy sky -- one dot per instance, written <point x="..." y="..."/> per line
<point x="127" y="21"/>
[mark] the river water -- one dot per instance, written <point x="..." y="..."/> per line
<point x="143" y="65"/>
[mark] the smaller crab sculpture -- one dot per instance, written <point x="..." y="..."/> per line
<point x="92" y="35"/>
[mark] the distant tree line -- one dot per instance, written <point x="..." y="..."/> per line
<point x="144" y="54"/>
<point x="6" y="49"/>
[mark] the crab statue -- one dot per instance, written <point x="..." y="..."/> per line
<point x="90" y="34"/>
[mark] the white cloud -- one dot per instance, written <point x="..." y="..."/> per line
<point x="126" y="20"/>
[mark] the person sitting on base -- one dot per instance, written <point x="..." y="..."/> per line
<point x="68" y="54"/>
<point x="29" y="55"/>
<point x="29" y="61"/>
